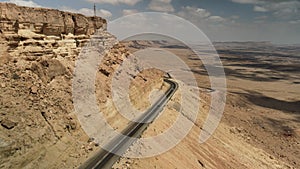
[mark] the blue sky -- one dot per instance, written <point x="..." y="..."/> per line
<point x="277" y="21"/>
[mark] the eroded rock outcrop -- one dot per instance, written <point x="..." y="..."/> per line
<point x="38" y="50"/>
<point x="40" y="32"/>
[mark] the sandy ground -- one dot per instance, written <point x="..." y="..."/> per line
<point x="260" y="127"/>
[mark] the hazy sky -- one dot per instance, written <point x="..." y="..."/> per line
<point x="277" y="21"/>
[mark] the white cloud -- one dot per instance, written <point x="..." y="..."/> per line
<point x="235" y="17"/>
<point x="246" y="1"/>
<point x="260" y="9"/>
<point x="285" y="10"/>
<point x="24" y="3"/>
<point x="295" y="22"/>
<point x="161" y="5"/>
<point x="115" y="2"/>
<point x="204" y="20"/>
<point x="193" y="13"/>
<point x="216" y="19"/>
<point x="289" y="9"/>
<point x="200" y="15"/>
<point x="129" y="11"/>
<point x="261" y="19"/>
<point x="104" y="13"/>
<point x="89" y="12"/>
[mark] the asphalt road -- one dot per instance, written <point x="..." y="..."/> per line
<point x="104" y="159"/>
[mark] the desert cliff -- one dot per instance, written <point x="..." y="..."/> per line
<point x="38" y="50"/>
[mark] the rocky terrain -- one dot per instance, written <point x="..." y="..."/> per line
<point x="260" y="126"/>
<point x="38" y="49"/>
<point x="39" y="127"/>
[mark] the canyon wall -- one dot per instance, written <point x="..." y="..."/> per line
<point x="38" y="50"/>
<point x="56" y="33"/>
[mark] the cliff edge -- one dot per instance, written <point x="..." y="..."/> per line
<point x="38" y="50"/>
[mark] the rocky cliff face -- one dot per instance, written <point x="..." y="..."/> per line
<point x="54" y="31"/>
<point x="38" y="50"/>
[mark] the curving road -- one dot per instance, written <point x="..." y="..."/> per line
<point x="105" y="159"/>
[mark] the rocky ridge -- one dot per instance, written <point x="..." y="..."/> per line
<point x="38" y="50"/>
<point x="32" y="32"/>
